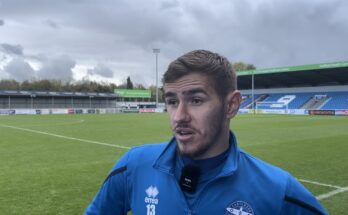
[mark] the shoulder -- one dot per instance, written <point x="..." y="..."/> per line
<point x="137" y="157"/>
<point x="263" y="169"/>
<point x="298" y="198"/>
<point x="295" y="197"/>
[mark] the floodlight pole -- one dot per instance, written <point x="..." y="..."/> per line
<point x="252" y="92"/>
<point x="156" y="51"/>
<point x="31" y="101"/>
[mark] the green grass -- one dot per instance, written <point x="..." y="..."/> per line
<point x="42" y="174"/>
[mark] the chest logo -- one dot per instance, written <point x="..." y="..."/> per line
<point x="151" y="200"/>
<point x="239" y="208"/>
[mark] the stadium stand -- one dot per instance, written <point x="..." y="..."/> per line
<point x="307" y="87"/>
<point x="38" y="100"/>
<point x="322" y="101"/>
<point x="336" y="100"/>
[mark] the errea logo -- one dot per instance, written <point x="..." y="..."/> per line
<point x="152" y="192"/>
<point x="151" y="200"/>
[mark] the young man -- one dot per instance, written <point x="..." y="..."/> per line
<point x="201" y="170"/>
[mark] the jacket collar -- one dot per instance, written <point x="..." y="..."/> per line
<point x="166" y="160"/>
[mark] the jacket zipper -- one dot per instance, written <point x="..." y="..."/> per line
<point x="182" y="195"/>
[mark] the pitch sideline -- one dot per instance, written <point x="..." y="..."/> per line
<point x="337" y="190"/>
<point x="65" y="137"/>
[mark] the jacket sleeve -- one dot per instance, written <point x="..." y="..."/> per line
<point x="112" y="198"/>
<point x="298" y="200"/>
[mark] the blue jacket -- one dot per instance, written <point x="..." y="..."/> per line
<point x="143" y="181"/>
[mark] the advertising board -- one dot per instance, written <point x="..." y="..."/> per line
<point x="341" y="112"/>
<point x="321" y="112"/>
<point x="147" y="110"/>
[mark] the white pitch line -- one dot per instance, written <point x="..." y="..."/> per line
<point x="320" y="184"/>
<point x="328" y="194"/>
<point x="332" y="193"/>
<point x="65" y="137"/>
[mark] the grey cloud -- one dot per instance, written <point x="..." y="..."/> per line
<point x="265" y="33"/>
<point x="19" y="70"/>
<point x="293" y="33"/>
<point x="11" y="49"/>
<point x="2" y="22"/>
<point x="59" y="68"/>
<point x="101" y="70"/>
<point x="52" y="24"/>
<point x="270" y="34"/>
<point x="3" y="74"/>
<point x="170" y="4"/>
<point x="3" y="58"/>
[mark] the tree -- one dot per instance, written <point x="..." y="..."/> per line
<point x="139" y="87"/>
<point x="78" y="86"/>
<point x="26" y="85"/>
<point x="240" y="66"/>
<point x="129" y="83"/>
<point x="9" y="85"/>
<point x="44" y="85"/>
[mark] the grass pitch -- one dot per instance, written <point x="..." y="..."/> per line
<point x="55" y="164"/>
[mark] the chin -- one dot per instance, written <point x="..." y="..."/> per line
<point x="192" y="153"/>
<point x="185" y="151"/>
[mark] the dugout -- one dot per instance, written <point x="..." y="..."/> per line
<point x="133" y="95"/>
<point x="135" y="100"/>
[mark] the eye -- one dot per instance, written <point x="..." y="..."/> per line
<point x="171" y="102"/>
<point x="196" y="101"/>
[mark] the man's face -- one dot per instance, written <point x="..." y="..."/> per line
<point x="197" y="116"/>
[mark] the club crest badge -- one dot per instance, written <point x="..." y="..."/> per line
<point x="239" y="208"/>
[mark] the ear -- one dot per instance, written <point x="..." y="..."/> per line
<point x="233" y="100"/>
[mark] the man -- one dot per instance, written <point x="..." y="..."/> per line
<point x="201" y="170"/>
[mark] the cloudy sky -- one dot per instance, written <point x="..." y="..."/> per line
<point x="108" y="40"/>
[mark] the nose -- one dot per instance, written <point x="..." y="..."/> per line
<point x="181" y="114"/>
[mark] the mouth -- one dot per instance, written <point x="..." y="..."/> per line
<point x="184" y="134"/>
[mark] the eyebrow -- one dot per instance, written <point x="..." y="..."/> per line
<point x="188" y="92"/>
<point x="169" y="94"/>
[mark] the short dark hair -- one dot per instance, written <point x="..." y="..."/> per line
<point x="216" y="67"/>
